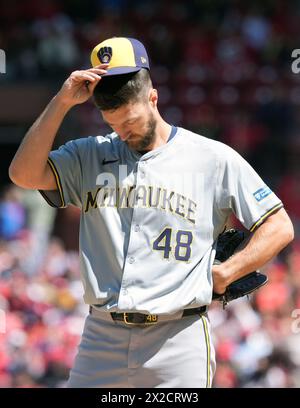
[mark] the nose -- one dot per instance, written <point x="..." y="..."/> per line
<point x="124" y="136"/>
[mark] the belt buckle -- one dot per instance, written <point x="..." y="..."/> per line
<point x="150" y="319"/>
<point x="125" y="319"/>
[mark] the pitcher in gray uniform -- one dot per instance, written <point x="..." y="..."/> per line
<point x="154" y="198"/>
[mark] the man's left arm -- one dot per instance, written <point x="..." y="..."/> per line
<point x="275" y="233"/>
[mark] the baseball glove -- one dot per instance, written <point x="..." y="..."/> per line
<point x="227" y="244"/>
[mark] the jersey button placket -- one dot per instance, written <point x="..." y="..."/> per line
<point x="126" y="300"/>
<point x="131" y="259"/>
<point x="141" y="169"/>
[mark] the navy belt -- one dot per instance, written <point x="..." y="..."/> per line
<point x="147" y="319"/>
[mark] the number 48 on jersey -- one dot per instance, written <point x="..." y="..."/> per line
<point x="181" y="249"/>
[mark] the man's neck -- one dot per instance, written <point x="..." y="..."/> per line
<point x="162" y="133"/>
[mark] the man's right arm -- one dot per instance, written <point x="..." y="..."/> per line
<point x="29" y="168"/>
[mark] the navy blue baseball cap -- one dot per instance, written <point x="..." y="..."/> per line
<point x="124" y="55"/>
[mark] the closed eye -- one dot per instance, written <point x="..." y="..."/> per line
<point x="128" y="122"/>
<point x="131" y="122"/>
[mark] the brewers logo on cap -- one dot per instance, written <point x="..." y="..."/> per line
<point x="105" y="54"/>
<point x="124" y="55"/>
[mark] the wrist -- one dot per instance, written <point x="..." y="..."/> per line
<point x="228" y="274"/>
<point x="62" y="102"/>
<point x="225" y="274"/>
<point x="221" y="278"/>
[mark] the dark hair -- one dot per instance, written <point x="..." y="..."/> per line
<point x="117" y="90"/>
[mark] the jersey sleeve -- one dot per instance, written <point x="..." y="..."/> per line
<point x="65" y="164"/>
<point x="241" y="190"/>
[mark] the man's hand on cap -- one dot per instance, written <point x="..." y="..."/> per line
<point x="79" y="87"/>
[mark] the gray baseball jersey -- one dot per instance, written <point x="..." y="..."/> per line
<point x="149" y="222"/>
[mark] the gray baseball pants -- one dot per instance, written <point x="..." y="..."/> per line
<point x="176" y="353"/>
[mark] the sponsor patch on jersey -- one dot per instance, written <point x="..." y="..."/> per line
<point x="262" y="193"/>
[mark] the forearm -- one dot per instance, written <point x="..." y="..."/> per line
<point x="30" y="161"/>
<point x="265" y="243"/>
<point x="29" y="167"/>
<point x="260" y="249"/>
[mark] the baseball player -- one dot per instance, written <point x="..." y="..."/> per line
<point x="153" y="197"/>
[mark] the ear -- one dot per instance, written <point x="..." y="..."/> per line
<point x="153" y="97"/>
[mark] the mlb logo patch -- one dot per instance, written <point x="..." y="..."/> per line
<point x="262" y="193"/>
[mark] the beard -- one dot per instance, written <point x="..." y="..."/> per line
<point x="146" y="140"/>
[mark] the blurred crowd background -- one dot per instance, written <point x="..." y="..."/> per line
<point x="222" y="69"/>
